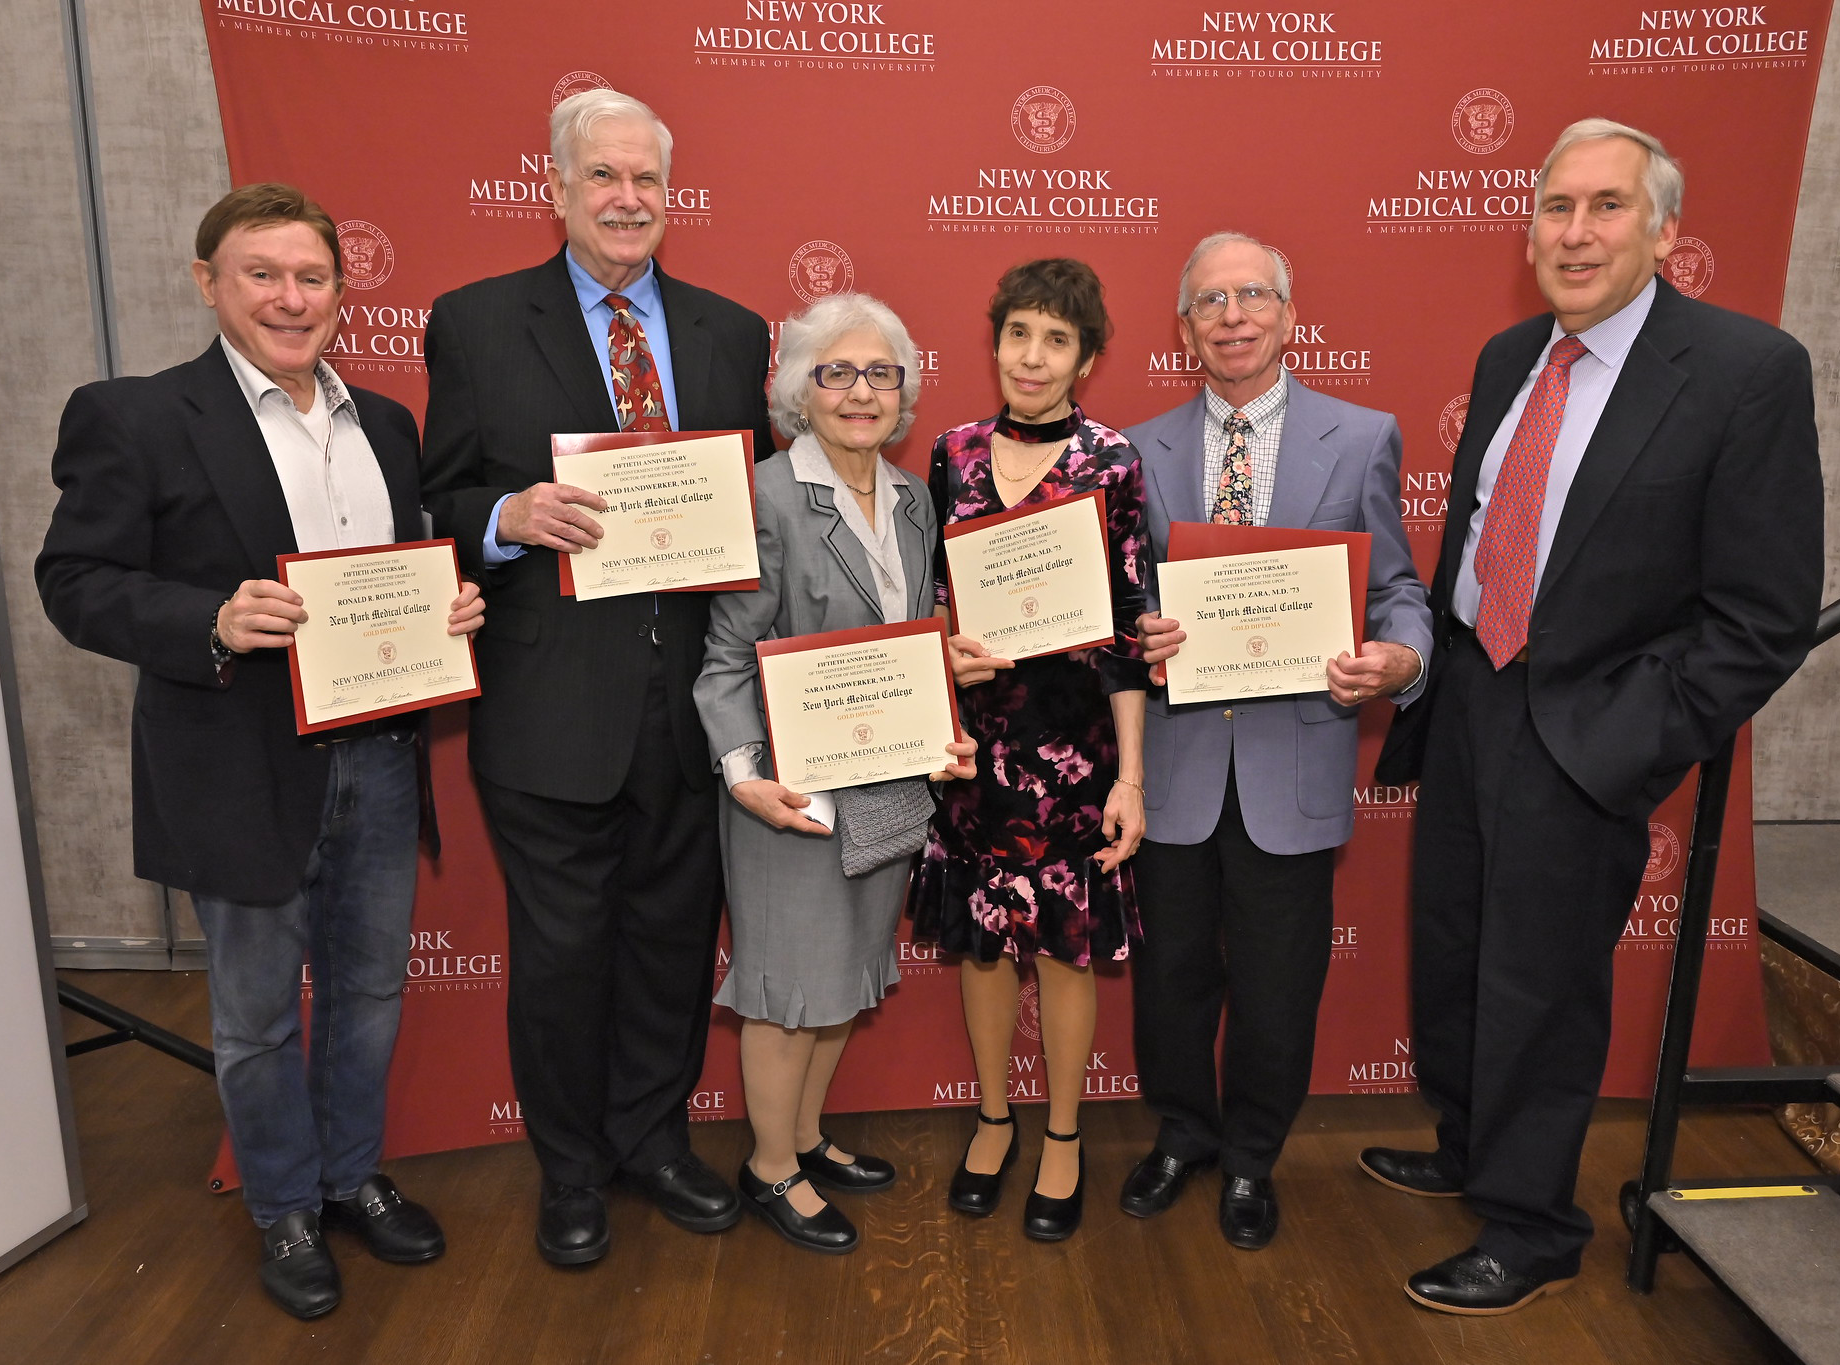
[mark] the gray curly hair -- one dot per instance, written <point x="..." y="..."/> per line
<point x="806" y="336"/>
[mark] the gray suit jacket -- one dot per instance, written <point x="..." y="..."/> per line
<point x="814" y="576"/>
<point x="1294" y="757"/>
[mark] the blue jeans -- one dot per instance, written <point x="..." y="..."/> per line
<point x="313" y="1131"/>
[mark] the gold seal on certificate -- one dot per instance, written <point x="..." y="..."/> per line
<point x="1033" y="580"/>
<point x="850" y="707"/>
<point x="375" y="640"/>
<point x="680" y="511"/>
<point x="1258" y="625"/>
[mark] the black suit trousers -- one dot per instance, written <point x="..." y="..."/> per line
<point x="1225" y="922"/>
<point x="1521" y="888"/>
<point x="613" y="908"/>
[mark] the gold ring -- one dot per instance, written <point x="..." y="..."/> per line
<point x="1357" y="694"/>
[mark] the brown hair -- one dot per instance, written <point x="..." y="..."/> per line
<point x="262" y="205"/>
<point x="1066" y="289"/>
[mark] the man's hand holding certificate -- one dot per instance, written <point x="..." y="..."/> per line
<point x="852" y="707"/>
<point x="1033" y="580"/>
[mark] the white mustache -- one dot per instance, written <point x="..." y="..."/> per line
<point x="640" y="219"/>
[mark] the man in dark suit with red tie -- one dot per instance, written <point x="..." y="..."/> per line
<point x="590" y="760"/>
<point x="1631" y="566"/>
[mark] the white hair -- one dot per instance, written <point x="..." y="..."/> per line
<point x="1662" y="177"/>
<point x="572" y="123"/>
<point x="806" y="336"/>
<point x="1280" y="277"/>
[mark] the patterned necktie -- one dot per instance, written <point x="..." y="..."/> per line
<point x="1233" y="499"/>
<point x="1508" y="549"/>
<point x="638" y="394"/>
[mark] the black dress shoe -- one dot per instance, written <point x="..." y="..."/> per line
<point x="571" y="1224"/>
<point x="1414" y="1172"/>
<point x="1156" y="1182"/>
<point x="690" y="1194"/>
<point x="1475" y="1284"/>
<point x="827" y="1231"/>
<point x="394" y="1228"/>
<point x="976" y="1192"/>
<point x="1055" y="1220"/>
<point x="297" y="1270"/>
<point x="864" y="1173"/>
<point x="1248" y="1211"/>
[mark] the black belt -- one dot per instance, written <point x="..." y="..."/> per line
<point x="1459" y="631"/>
<point x="398" y="726"/>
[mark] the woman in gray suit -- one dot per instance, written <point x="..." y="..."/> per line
<point x="846" y="540"/>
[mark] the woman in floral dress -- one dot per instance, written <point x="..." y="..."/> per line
<point x="1030" y="859"/>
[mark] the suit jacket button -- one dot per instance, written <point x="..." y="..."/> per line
<point x="1228" y="713"/>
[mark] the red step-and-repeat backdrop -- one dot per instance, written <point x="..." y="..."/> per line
<point x="917" y="148"/>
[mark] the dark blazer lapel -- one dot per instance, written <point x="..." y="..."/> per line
<point x="844" y="544"/>
<point x="910" y="535"/>
<point x="1305" y="461"/>
<point x="1644" y="391"/>
<point x="1495" y="390"/>
<point x="396" y="458"/>
<point x="562" y="337"/>
<point x="1176" y="468"/>
<point x="235" y="458"/>
<point x="692" y="352"/>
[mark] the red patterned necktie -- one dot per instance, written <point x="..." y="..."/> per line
<point x="638" y="394"/>
<point x="1509" y="547"/>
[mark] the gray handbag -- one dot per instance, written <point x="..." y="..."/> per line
<point x="882" y="822"/>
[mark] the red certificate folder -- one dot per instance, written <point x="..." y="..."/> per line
<point x="1096" y="499"/>
<point x="575" y="443"/>
<point x="1205" y="540"/>
<point x="305" y="727"/>
<point x="829" y="639"/>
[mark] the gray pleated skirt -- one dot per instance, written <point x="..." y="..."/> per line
<point x="810" y="946"/>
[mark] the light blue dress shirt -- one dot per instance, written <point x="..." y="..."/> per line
<point x="597" y="317"/>
<point x="1594" y="375"/>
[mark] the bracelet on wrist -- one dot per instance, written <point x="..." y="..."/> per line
<point x="1127" y="782"/>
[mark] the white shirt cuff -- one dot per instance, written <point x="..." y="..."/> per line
<point x="742" y="763"/>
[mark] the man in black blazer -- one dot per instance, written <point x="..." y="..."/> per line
<point x="1631" y="566"/>
<point x="585" y="743"/>
<point x="177" y="492"/>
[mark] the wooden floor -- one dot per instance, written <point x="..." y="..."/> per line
<point x="164" y="1272"/>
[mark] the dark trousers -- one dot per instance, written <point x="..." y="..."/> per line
<point x="1521" y="886"/>
<point x="1226" y="922"/>
<point x="613" y="908"/>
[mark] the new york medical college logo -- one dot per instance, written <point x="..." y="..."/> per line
<point x="369" y="257"/>
<point x="376" y="334"/>
<point x="810" y="35"/>
<point x="1643" y="41"/>
<point x="1269" y="45"/>
<point x="1461" y="197"/>
<point x="1688" y="266"/>
<point x="820" y="268"/>
<point x="1043" y="119"/>
<point x="340" y="23"/>
<point x="1482" y="122"/>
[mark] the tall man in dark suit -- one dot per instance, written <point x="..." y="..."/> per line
<point x="177" y="492"/>
<point x="1247" y="803"/>
<point x="1632" y="565"/>
<point x="589" y="757"/>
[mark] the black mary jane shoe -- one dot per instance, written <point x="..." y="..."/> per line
<point x="976" y="1192"/>
<point x="864" y="1173"/>
<point x="297" y="1270"/>
<point x="1055" y="1220"/>
<point x="827" y="1231"/>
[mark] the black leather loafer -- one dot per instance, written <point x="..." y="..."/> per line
<point x="1055" y="1220"/>
<point x="977" y="1192"/>
<point x="1419" y="1173"/>
<point x="864" y="1173"/>
<point x="1475" y="1284"/>
<point x="690" y="1194"/>
<point x="827" y="1231"/>
<point x="571" y="1224"/>
<point x="1248" y="1211"/>
<point x="1156" y="1182"/>
<point x="297" y="1270"/>
<point x="393" y="1228"/>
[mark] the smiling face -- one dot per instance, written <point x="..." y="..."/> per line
<point x="1242" y="353"/>
<point x="1591" y="248"/>
<point x="854" y="423"/>
<point x="612" y="200"/>
<point x="276" y="296"/>
<point x="1038" y="358"/>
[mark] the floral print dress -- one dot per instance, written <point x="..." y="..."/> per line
<point x="1009" y="858"/>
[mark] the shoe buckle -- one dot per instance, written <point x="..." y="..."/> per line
<point x="285" y="1249"/>
<point x="379" y="1204"/>
<point x="779" y="1187"/>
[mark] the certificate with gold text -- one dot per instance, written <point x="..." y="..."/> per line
<point x="375" y="640"/>
<point x="1258" y="625"/>
<point x="680" y="511"/>
<point x="1033" y="580"/>
<point x="850" y="707"/>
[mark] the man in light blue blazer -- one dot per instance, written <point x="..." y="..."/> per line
<point x="1247" y="803"/>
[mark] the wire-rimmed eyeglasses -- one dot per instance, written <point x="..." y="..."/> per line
<point x="1252" y="299"/>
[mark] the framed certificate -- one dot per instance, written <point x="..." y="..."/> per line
<point x="375" y="640"/>
<point x="1265" y="608"/>
<point x="680" y="511"/>
<point x="850" y="707"/>
<point x="1033" y="580"/>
